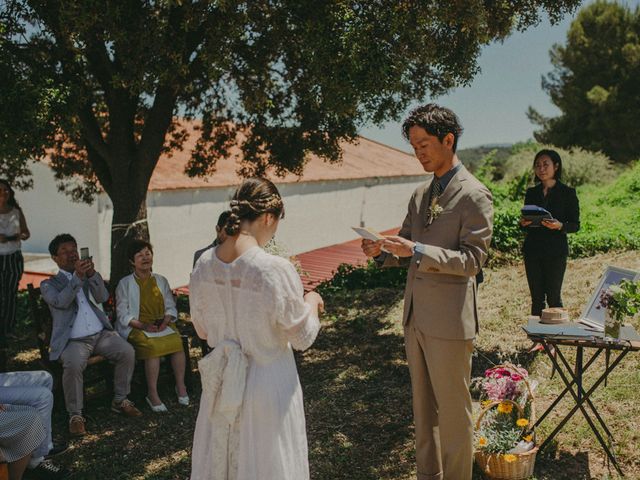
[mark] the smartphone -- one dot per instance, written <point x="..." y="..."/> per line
<point x="84" y="253"/>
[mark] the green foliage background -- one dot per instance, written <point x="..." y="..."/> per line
<point x="609" y="213"/>
<point x="595" y="83"/>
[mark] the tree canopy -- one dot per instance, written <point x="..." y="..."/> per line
<point x="595" y="83"/>
<point x="109" y="82"/>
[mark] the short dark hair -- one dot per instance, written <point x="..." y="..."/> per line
<point x="435" y="120"/>
<point x="58" y="240"/>
<point x="137" y="245"/>
<point x="555" y="158"/>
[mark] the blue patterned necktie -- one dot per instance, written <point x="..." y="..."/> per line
<point x="436" y="191"/>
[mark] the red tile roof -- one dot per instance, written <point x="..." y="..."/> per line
<point x="32" y="277"/>
<point x="365" y="159"/>
<point x="321" y="264"/>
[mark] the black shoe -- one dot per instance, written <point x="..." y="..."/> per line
<point x="47" y="470"/>
<point x="57" y="450"/>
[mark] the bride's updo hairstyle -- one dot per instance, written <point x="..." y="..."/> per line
<point x="253" y="198"/>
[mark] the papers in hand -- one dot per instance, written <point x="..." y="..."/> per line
<point x="163" y="333"/>
<point x="368" y="233"/>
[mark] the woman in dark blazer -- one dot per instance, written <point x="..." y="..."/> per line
<point x="545" y="247"/>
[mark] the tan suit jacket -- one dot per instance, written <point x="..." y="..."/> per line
<point x="441" y="286"/>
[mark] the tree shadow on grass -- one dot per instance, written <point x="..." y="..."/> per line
<point x="358" y="394"/>
<point x="560" y="465"/>
<point x="154" y="446"/>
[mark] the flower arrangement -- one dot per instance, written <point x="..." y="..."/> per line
<point x="503" y="430"/>
<point x="621" y="300"/>
<point x="507" y="396"/>
<point x="504" y="440"/>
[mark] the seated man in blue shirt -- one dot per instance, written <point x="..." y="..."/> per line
<point x="81" y="329"/>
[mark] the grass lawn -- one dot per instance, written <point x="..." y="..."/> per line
<point x="357" y="393"/>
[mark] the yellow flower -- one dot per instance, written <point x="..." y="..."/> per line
<point x="527" y="438"/>
<point x="510" y="458"/>
<point x="522" y="422"/>
<point x="482" y="442"/>
<point x="505" y="407"/>
<point x="486" y="403"/>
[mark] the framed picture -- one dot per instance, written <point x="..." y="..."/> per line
<point x="594" y="316"/>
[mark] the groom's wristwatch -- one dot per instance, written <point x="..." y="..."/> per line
<point x="415" y="253"/>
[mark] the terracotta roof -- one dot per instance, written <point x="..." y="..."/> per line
<point x="32" y="277"/>
<point x="365" y="159"/>
<point x="321" y="264"/>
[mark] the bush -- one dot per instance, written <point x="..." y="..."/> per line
<point x="579" y="167"/>
<point x="350" y="277"/>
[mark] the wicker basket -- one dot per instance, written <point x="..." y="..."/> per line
<point x="494" y="465"/>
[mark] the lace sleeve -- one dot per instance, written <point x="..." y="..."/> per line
<point x="294" y="317"/>
<point x="195" y="305"/>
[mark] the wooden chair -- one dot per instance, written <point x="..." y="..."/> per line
<point x="99" y="370"/>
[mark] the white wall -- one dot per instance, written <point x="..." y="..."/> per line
<point x="318" y="214"/>
<point x="50" y="212"/>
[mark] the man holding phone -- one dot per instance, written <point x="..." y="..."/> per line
<point x="81" y="329"/>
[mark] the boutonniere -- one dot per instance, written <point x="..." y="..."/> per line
<point x="434" y="210"/>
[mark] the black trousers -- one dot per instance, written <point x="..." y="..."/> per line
<point x="545" y="275"/>
<point x="11" y="268"/>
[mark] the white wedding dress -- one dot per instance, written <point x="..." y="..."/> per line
<point x="251" y="423"/>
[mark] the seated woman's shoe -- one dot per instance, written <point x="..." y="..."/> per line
<point x="156" y="408"/>
<point x="184" y="400"/>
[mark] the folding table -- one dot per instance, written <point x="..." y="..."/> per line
<point x="579" y="337"/>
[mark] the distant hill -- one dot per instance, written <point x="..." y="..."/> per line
<point x="472" y="156"/>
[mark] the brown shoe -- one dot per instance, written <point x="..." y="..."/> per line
<point x="126" y="407"/>
<point x="76" y="425"/>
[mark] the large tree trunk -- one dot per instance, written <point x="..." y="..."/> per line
<point x="129" y="222"/>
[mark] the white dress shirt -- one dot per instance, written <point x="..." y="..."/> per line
<point x="86" y="322"/>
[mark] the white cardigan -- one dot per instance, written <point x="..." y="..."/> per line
<point x="128" y="302"/>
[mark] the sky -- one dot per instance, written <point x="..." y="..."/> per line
<point x="493" y="107"/>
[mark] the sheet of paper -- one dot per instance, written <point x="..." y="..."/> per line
<point x="163" y="333"/>
<point x="368" y="233"/>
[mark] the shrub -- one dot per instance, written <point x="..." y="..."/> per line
<point x="579" y="167"/>
<point x="350" y="277"/>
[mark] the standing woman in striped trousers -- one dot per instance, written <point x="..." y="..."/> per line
<point x="13" y="229"/>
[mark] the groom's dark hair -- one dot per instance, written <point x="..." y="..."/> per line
<point x="435" y="120"/>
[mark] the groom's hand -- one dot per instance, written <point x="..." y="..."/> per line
<point x="398" y="246"/>
<point x="371" y="248"/>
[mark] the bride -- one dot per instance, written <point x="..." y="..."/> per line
<point x="249" y="306"/>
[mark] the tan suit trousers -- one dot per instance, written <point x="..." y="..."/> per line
<point x="440" y="372"/>
<point x="74" y="360"/>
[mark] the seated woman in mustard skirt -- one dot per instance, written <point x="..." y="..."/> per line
<point x="146" y="309"/>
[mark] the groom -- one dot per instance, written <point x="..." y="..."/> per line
<point x="444" y="241"/>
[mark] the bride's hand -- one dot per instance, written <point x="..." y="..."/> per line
<point x="314" y="298"/>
